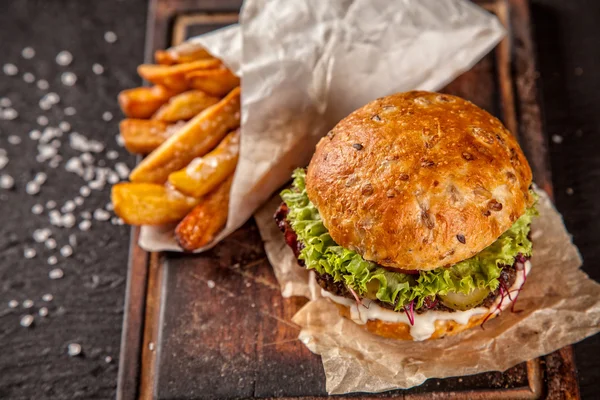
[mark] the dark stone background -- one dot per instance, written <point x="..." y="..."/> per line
<point x="88" y="302"/>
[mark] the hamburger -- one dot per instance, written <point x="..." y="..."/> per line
<point x="414" y="214"/>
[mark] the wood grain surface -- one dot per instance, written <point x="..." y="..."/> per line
<point x="34" y="363"/>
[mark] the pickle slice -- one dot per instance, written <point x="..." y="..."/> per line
<point x="462" y="302"/>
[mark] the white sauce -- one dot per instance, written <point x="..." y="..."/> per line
<point x="424" y="324"/>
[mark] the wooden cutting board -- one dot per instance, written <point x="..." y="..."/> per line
<point x="214" y="325"/>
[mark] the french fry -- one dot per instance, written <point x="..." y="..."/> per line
<point x="173" y="76"/>
<point x="142" y="136"/>
<point x="185" y="106"/>
<point x="206" y="220"/>
<point x="183" y="53"/>
<point x="142" y="102"/>
<point x="196" y="138"/>
<point x="149" y="203"/>
<point x="203" y="174"/>
<point x="216" y="82"/>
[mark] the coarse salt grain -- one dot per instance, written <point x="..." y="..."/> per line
<point x="29" y="253"/>
<point x="68" y="220"/>
<point x="557" y="139"/>
<point x="3" y="160"/>
<point x="69" y="206"/>
<point x="64" y="126"/>
<point x="110" y="37"/>
<point x="74" y="349"/>
<point x="50" y="204"/>
<point x="26" y="321"/>
<point x="10" y="69"/>
<point x="37" y="209"/>
<point x="6" y="182"/>
<point x="210" y="283"/>
<point x="86" y="215"/>
<point x="28" y="77"/>
<point x="73" y="240"/>
<point x="122" y="170"/>
<point x="55" y="218"/>
<point x="85" y="191"/>
<point x="68" y="78"/>
<point x="32" y="188"/>
<point x="9" y="114"/>
<point x="42" y="84"/>
<point x="40" y="235"/>
<point x="64" y="58"/>
<point x="28" y="53"/>
<point x="42" y="120"/>
<point x="40" y="178"/>
<point x="85" y="225"/>
<point x="50" y="243"/>
<point x="570" y="191"/>
<point x="70" y="111"/>
<point x="5" y="102"/>
<point x="13" y="304"/>
<point x="14" y="139"/>
<point x="66" y="251"/>
<point x="27" y="303"/>
<point x="56" y="273"/>
<point x="113" y="178"/>
<point x="52" y="260"/>
<point x="97" y="69"/>
<point x="47" y="297"/>
<point x="112" y="154"/>
<point x="35" y="134"/>
<point x="107" y="116"/>
<point x="109" y="206"/>
<point x="120" y="141"/>
<point x="101" y="215"/>
<point x="43" y="312"/>
<point x="108" y="359"/>
<point x="78" y="200"/>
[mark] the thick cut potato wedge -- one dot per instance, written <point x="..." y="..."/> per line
<point x="142" y="102"/>
<point x="203" y="174"/>
<point x="216" y="82"/>
<point x="149" y="203"/>
<point x="173" y="76"/>
<point x="183" y="53"/>
<point x="142" y="136"/>
<point x="196" y="138"/>
<point x="185" y="106"/>
<point x="206" y="220"/>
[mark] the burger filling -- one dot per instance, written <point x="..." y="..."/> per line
<point x="470" y="283"/>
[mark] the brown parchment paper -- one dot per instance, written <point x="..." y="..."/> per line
<point x="305" y="64"/>
<point x="560" y="306"/>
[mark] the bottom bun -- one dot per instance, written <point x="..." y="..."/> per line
<point x="401" y="330"/>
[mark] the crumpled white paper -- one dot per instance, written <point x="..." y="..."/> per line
<point x="560" y="305"/>
<point x="306" y="64"/>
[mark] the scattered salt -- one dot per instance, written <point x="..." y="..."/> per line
<point x="50" y="204"/>
<point x="85" y="191"/>
<point x="107" y="116"/>
<point x="9" y="114"/>
<point x="40" y="178"/>
<point x="101" y="215"/>
<point x="10" y="69"/>
<point x="35" y="134"/>
<point x="5" y="102"/>
<point x="32" y="188"/>
<point x="69" y="111"/>
<point x="42" y="84"/>
<point x="47" y="297"/>
<point x="3" y="160"/>
<point x="122" y="169"/>
<point x="68" y="220"/>
<point x="42" y="120"/>
<point x="108" y="359"/>
<point x="64" y="58"/>
<point x="26" y="321"/>
<point x="64" y="126"/>
<point x="112" y="154"/>
<point x="28" y="77"/>
<point x="85" y="225"/>
<point x="78" y="200"/>
<point x="56" y="273"/>
<point x="43" y="312"/>
<point x="210" y="283"/>
<point x="66" y="251"/>
<point x="69" y="206"/>
<point x="37" y="209"/>
<point x="14" y="139"/>
<point x="29" y="253"/>
<point x="557" y="139"/>
<point x="6" y="182"/>
<point x="28" y="53"/>
<point x="27" y="303"/>
<point x="50" y="243"/>
<point x="74" y="349"/>
<point x="13" y="304"/>
<point x="110" y="37"/>
<point x="97" y="69"/>
<point x="52" y="260"/>
<point x="120" y="141"/>
<point x="68" y="78"/>
<point x="86" y="215"/>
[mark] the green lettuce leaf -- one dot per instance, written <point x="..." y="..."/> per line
<point x="322" y="254"/>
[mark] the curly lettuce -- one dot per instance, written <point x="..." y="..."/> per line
<point x="322" y="254"/>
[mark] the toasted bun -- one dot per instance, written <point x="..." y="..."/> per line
<point x="401" y="330"/>
<point x="418" y="180"/>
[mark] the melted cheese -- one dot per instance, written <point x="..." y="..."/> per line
<point x="424" y="324"/>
